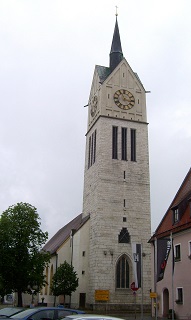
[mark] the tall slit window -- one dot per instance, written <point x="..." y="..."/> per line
<point x="89" y="152"/>
<point x="92" y="149"/>
<point x="94" y="157"/>
<point x="122" y="273"/>
<point x="133" y="145"/>
<point x="124" y="143"/>
<point x="114" y="142"/>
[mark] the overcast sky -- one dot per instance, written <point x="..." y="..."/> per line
<point x="48" y="51"/>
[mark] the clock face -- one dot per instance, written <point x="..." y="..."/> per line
<point x="93" y="105"/>
<point x="124" y="99"/>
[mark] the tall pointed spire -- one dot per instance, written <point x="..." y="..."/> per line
<point x="116" y="54"/>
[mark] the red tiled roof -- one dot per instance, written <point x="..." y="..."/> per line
<point x="181" y="200"/>
<point x="64" y="233"/>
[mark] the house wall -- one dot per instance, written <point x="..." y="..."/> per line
<point x="80" y="262"/>
<point x="180" y="279"/>
<point x="71" y="251"/>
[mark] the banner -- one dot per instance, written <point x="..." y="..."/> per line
<point x="163" y="250"/>
<point x="137" y="263"/>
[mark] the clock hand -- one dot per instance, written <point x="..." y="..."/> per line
<point x="126" y="99"/>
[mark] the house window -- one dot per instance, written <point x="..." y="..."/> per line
<point x="122" y="273"/>
<point x="177" y="252"/>
<point x="92" y="149"/>
<point x="123" y="143"/>
<point x="114" y="142"/>
<point x="179" y="295"/>
<point x="133" y="145"/>
<point x="176" y="215"/>
<point x="189" y="249"/>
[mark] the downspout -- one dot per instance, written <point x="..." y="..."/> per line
<point x="72" y="251"/>
<point x="55" y="272"/>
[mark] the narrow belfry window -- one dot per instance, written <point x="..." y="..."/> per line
<point x="124" y="175"/>
<point x="94" y="154"/>
<point x="124" y="143"/>
<point x="92" y="149"/>
<point x="89" y="152"/>
<point x="114" y="142"/>
<point x="133" y="145"/>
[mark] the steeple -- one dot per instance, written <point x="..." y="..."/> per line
<point x="116" y="54"/>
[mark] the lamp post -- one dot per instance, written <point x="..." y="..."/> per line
<point x="32" y="289"/>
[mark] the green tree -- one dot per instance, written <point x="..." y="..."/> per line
<point x="64" y="281"/>
<point x="22" y="260"/>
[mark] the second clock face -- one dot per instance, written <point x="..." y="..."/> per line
<point x="124" y="99"/>
<point x="93" y="104"/>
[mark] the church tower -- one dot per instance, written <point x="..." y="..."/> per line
<point x="116" y="182"/>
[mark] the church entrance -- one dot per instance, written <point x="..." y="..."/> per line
<point x="82" y="302"/>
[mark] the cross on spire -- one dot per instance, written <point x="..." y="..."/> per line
<point x="116" y="13"/>
<point x="116" y="54"/>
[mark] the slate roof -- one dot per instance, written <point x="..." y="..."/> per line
<point x="116" y="54"/>
<point x="64" y="233"/>
<point x="103" y="72"/>
<point x="182" y="202"/>
<point x="116" y="42"/>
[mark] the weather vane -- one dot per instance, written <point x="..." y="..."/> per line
<point x="116" y="13"/>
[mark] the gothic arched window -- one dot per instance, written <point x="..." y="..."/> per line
<point x="122" y="273"/>
<point x="124" y="236"/>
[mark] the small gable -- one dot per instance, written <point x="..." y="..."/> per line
<point x="178" y="215"/>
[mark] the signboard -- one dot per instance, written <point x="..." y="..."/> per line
<point x="153" y="295"/>
<point x="133" y="288"/>
<point x="101" y="295"/>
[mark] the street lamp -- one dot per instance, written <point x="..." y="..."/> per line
<point x="32" y="289"/>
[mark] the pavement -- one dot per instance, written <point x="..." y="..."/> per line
<point x="130" y="316"/>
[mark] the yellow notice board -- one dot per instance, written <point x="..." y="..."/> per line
<point x="101" y="295"/>
<point x="153" y="295"/>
